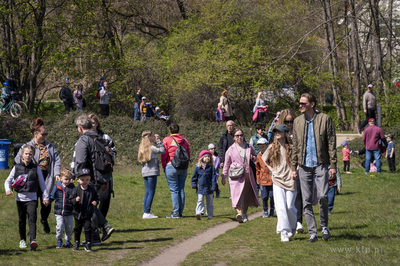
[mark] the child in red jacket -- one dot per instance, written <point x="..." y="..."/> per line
<point x="346" y="157"/>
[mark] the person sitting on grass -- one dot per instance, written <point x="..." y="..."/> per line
<point x="26" y="179"/>
<point x="84" y="197"/>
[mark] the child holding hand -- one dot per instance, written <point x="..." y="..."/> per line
<point x="83" y="198"/>
<point x="346" y="157"/>
<point x="204" y="180"/>
<point x="26" y="179"/>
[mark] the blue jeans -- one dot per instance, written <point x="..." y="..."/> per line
<point x="176" y="179"/>
<point x="331" y="197"/>
<point x="376" y="154"/>
<point x="150" y="183"/>
<point x="136" y="115"/>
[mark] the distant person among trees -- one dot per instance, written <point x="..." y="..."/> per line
<point x="67" y="97"/>
<point x="105" y="94"/>
<point x="226" y="106"/>
<point x="5" y="94"/>
<point x="241" y="180"/>
<point x="143" y="109"/>
<point x="78" y="97"/>
<point x="260" y="109"/>
<point x="138" y="101"/>
<point x="176" y="177"/>
<point x="14" y="88"/>
<point x="147" y="156"/>
<point x="369" y="106"/>
<point x="49" y="162"/>
<point x="373" y="138"/>
<point x="219" y="114"/>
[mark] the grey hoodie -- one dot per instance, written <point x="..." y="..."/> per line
<point x="151" y="168"/>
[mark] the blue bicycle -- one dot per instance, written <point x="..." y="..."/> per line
<point x="12" y="107"/>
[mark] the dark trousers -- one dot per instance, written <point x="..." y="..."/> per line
<point x="104" y="198"/>
<point x="85" y="223"/>
<point x="27" y="208"/>
<point x="104" y="110"/>
<point x="261" y="117"/>
<point x="267" y="193"/>
<point x="346" y="166"/>
<point x="392" y="164"/>
<point x="299" y="202"/>
<point x="68" y="106"/>
<point x="44" y="210"/>
<point x="370" y="114"/>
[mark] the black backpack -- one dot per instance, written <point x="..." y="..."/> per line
<point x="181" y="157"/>
<point x="103" y="160"/>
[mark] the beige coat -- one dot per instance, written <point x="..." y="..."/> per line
<point x="226" y="104"/>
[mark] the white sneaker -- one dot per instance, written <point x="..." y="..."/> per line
<point x="245" y="218"/>
<point x="284" y="236"/>
<point x="149" y="216"/>
<point x="299" y="228"/>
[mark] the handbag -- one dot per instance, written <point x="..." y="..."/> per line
<point x="237" y="171"/>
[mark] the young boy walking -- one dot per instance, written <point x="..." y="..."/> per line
<point x="63" y="208"/>
<point x="83" y="198"/>
<point x="264" y="179"/>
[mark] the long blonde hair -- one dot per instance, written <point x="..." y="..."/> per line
<point x="144" y="154"/>
<point x="274" y="154"/>
<point x="259" y="95"/>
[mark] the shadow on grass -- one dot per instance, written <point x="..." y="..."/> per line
<point x="12" y="252"/>
<point x="115" y="248"/>
<point x="347" y="193"/>
<point x="141" y="230"/>
<point x="358" y="226"/>
<point x="138" y="241"/>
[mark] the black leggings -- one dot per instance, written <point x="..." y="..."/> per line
<point x="346" y="166"/>
<point x="27" y="208"/>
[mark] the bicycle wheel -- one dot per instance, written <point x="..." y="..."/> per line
<point x="16" y="110"/>
<point x="23" y="105"/>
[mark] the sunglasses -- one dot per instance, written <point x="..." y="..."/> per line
<point x="302" y="104"/>
<point x="212" y="148"/>
<point x="239" y="135"/>
<point x="44" y="134"/>
<point x="288" y="121"/>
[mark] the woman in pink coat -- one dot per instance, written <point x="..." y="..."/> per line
<point x="243" y="189"/>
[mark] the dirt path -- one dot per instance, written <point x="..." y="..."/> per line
<point x="177" y="254"/>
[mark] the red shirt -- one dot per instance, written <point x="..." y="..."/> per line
<point x="170" y="147"/>
<point x="346" y="154"/>
<point x="372" y="136"/>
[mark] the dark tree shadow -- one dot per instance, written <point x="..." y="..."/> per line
<point x="141" y="230"/>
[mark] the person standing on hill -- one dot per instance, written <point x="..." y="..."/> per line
<point x="314" y="151"/>
<point x="369" y="107"/>
<point x="138" y="101"/>
<point x="67" y="97"/>
<point x="105" y="94"/>
<point x="226" y="140"/>
<point x="226" y="106"/>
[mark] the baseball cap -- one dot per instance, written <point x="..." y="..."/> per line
<point x="211" y="146"/>
<point x="281" y="128"/>
<point x="345" y="143"/>
<point x="371" y="119"/>
<point x="143" y="98"/>
<point x="82" y="172"/>
<point x="370" y="86"/>
<point x="262" y="141"/>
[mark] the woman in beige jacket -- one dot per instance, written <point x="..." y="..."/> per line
<point x="226" y="105"/>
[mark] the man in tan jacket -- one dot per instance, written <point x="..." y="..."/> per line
<point x="314" y="156"/>
<point x="369" y="107"/>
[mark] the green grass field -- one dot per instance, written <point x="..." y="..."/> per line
<point x="365" y="226"/>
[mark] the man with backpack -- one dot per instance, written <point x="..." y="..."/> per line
<point x="175" y="163"/>
<point x="67" y="97"/>
<point x="90" y="152"/>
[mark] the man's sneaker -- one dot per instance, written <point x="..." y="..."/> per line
<point x="149" y="216"/>
<point x="217" y="193"/>
<point x="312" y="238"/>
<point x="245" y="218"/>
<point x="348" y="172"/>
<point x="88" y="247"/>
<point x="59" y="243"/>
<point x="325" y="234"/>
<point x="284" y="236"/>
<point x="68" y="244"/>
<point x="265" y="214"/>
<point x="299" y="228"/>
<point x="198" y="216"/>
<point x="46" y="227"/>
<point x="239" y="218"/>
<point x="173" y="215"/>
<point x="76" y="245"/>
<point x="107" y="231"/>
<point x="34" y="245"/>
<point x="95" y="242"/>
<point x="22" y="244"/>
